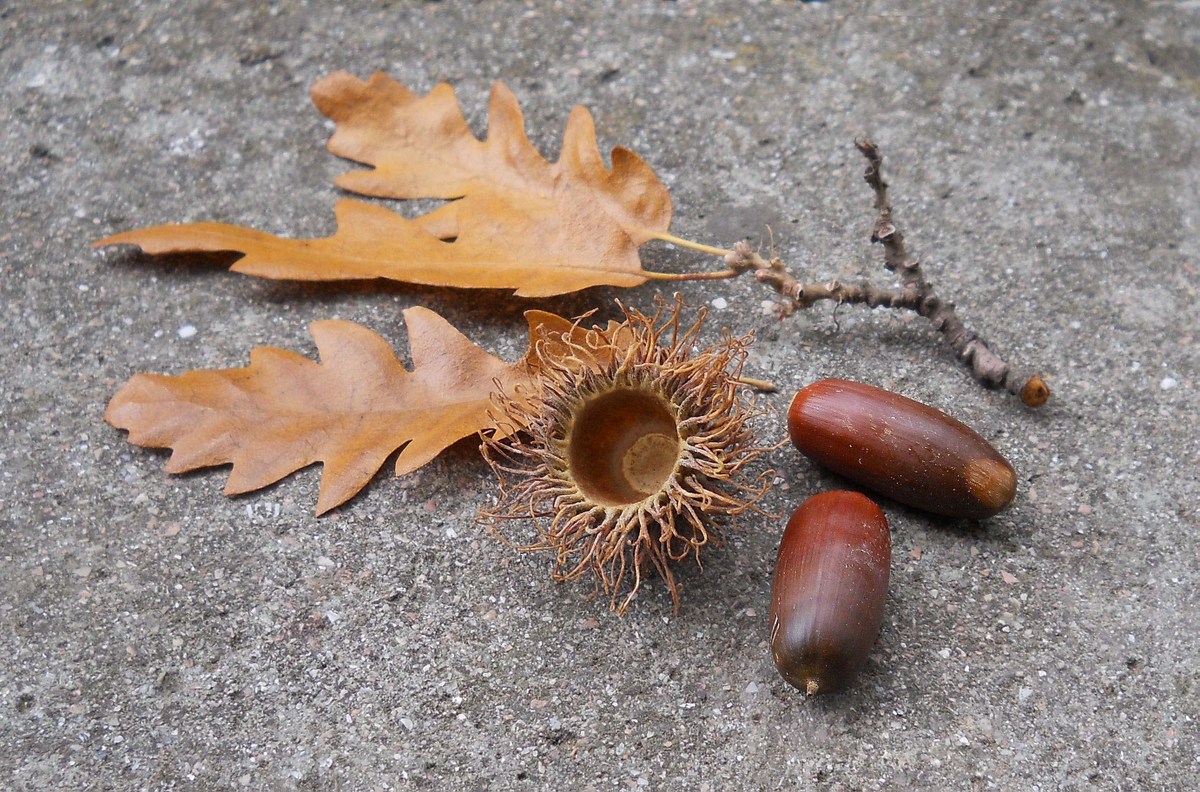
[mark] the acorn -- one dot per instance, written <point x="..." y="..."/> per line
<point x="900" y="448"/>
<point x="831" y="579"/>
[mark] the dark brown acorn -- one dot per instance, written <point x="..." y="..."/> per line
<point x="900" y="448"/>
<point x="831" y="580"/>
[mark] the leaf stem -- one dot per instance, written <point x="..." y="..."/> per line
<point x="766" y="386"/>
<point x="691" y="276"/>
<point x="663" y="236"/>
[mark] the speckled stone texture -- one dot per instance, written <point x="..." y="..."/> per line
<point x="1043" y="157"/>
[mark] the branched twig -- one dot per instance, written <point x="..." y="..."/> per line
<point x="986" y="366"/>
<point x="916" y="294"/>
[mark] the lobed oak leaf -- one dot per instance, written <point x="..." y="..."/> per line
<point x="349" y="411"/>
<point x="513" y="220"/>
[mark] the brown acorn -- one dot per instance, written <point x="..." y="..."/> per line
<point x="900" y="448"/>
<point x="831" y="579"/>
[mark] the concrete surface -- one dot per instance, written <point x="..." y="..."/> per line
<point x="158" y="635"/>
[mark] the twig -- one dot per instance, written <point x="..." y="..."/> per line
<point x="916" y="294"/>
<point x="986" y="366"/>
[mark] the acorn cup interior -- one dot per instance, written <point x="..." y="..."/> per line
<point x="624" y="446"/>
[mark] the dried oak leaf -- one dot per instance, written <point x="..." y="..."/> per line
<point x="513" y="220"/>
<point x="350" y="411"/>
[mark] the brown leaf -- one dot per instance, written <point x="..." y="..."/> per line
<point x="514" y="220"/>
<point x="350" y="411"/>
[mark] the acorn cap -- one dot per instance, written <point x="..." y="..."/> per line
<point x="633" y="451"/>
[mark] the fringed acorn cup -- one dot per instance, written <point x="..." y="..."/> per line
<point x="633" y="454"/>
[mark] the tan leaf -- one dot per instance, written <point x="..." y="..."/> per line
<point x="350" y="411"/>
<point x="513" y="221"/>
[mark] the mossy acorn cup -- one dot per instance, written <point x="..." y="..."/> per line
<point x="900" y="448"/>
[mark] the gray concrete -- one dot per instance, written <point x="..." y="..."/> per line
<point x="158" y="635"/>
